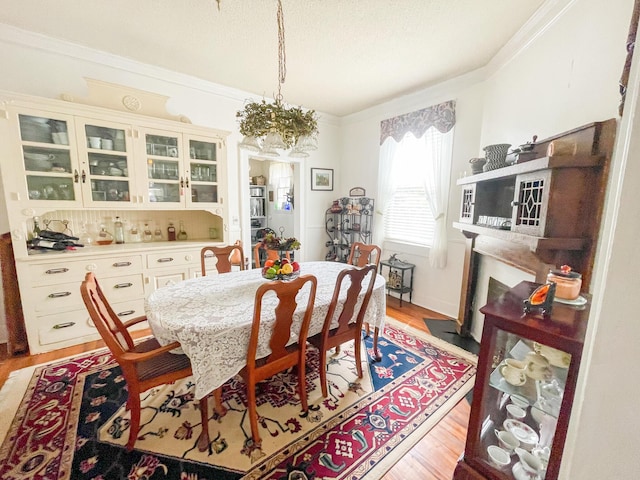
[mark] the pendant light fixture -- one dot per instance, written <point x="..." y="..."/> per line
<point x="269" y="127"/>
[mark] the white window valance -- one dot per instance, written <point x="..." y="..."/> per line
<point x="442" y="117"/>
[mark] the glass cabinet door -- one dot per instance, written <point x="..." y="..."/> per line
<point x="521" y="405"/>
<point x="165" y="180"/>
<point x="106" y="177"/>
<point x="48" y="161"/>
<point x="203" y="171"/>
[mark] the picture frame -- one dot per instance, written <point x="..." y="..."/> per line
<point x="322" y="179"/>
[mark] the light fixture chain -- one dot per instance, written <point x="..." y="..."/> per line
<point x="282" y="56"/>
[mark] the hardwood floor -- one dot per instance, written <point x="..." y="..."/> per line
<point x="433" y="458"/>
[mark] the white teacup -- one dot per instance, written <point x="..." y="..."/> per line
<point x="513" y="371"/>
<point x="106" y="144"/>
<point x="498" y="456"/>
<point x="538" y="367"/>
<point x="507" y="440"/>
<point x="95" y="142"/>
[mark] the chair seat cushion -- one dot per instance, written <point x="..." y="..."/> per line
<point x="160" y="365"/>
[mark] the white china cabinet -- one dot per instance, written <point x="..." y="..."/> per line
<point x="59" y="158"/>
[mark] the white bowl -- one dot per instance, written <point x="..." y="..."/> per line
<point x="498" y="456"/>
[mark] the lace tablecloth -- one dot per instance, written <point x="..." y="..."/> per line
<point x="211" y="317"/>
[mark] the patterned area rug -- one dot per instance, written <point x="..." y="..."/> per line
<point x="71" y="423"/>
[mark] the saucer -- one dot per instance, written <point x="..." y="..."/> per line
<point x="523" y="432"/>
<point x="578" y="302"/>
<point x="519" y="473"/>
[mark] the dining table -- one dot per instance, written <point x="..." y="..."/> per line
<point x="211" y="317"/>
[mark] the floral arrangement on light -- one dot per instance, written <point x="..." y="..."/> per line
<point x="257" y="119"/>
<point x="272" y="242"/>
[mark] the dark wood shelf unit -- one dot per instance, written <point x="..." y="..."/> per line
<point x="540" y="213"/>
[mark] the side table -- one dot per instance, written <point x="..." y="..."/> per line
<point x="396" y="279"/>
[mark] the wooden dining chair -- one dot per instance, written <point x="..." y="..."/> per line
<point x="145" y="364"/>
<point x="347" y="328"/>
<point x="362" y="254"/>
<point x="226" y="258"/>
<point x="267" y="255"/>
<point x="282" y="356"/>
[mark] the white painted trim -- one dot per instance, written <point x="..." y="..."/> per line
<point x="546" y="16"/>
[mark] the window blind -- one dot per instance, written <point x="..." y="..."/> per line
<point x="408" y="218"/>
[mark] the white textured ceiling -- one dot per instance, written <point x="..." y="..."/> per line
<point x="342" y="55"/>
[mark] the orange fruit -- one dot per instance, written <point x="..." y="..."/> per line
<point x="269" y="263"/>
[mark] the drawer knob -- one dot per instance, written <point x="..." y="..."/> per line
<point x="165" y="260"/>
<point x="56" y="270"/>
<point x="64" y="325"/>
<point x="121" y="264"/>
<point x="91" y="267"/>
<point x="59" y="294"/>
<point x="188" y="258"/>
<point x="123" y="285"/>
<point x="126" y="312"/>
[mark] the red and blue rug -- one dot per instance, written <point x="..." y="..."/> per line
<point x="71" y="423"/>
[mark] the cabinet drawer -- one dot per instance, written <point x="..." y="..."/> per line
<point x="57" y="273"/>
<point x="130" y="309"/>
<point x="70" y="271"/>
<point x="52" y="298"/>
<point x="109" y="267"/>
<point x="118" y="289"/>
<point x="62" y="327"/>
<point x="66" y="326"/>
<point x="173" y="259"/>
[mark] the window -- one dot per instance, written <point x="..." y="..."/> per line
<point x="408" y="217"/>
<point x="281" y="179"/>
<point x="413" y="178"/>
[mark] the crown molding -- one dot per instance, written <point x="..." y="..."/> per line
<point x="546" y="16"/>
<point x="36" y="41"/>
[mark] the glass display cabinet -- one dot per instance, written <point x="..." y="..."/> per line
<point x="524" y="390"/>
<point x="50" y="164"/>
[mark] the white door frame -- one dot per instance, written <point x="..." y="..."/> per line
<point x="299" y="198"/>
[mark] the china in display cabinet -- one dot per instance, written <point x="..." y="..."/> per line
<point x="92" y="158"/>
<point x="348" y="220"/>
<point x="525" y="385"/>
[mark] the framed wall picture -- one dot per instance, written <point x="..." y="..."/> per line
<point x="322" y="179"/>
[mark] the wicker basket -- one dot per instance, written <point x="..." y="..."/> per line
<point x="496" y="156"/>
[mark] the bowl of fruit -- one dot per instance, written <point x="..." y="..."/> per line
<point x="281" y="269"/>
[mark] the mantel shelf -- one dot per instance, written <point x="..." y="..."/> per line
<point x="543" y="163"/>
<point x="533" y="243"/>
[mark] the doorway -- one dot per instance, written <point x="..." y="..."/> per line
<point x="283" y="188"/>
